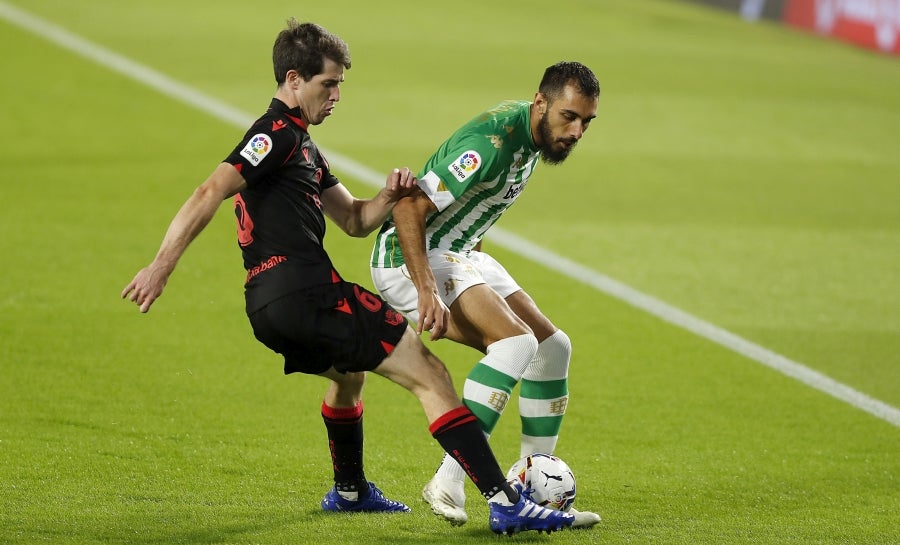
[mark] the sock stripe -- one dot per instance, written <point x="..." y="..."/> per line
<point x="487" y="417"/>
<point x="484" y="374"/>
<point x="544" y="389"/>
<point x="533" y="408"/>
<point x="545" y="426"/>
<point x="451" y="419"/>
<point x="342" y="413"/>
<point x="489" y="396"/>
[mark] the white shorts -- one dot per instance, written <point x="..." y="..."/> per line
<point x="454" y="273"/>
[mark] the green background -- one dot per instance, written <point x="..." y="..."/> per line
<point x="744" y="173"/>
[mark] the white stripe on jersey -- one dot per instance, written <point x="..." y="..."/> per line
<point x="464" y="222"/>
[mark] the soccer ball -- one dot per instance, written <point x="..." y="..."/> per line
<point x="547" y="480"/>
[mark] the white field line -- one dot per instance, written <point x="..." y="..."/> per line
<point x="224" y="112"/>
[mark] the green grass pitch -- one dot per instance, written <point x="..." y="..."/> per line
<point x="745" y="173"/>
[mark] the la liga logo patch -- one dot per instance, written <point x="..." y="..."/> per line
<point x="466" y="165"/>
<point x="257" y="148"/>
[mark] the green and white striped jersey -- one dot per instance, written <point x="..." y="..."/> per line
<point x="472" y="178"/>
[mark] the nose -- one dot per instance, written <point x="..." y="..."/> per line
<point x="335" y="95"/>
<point x="576" y="129"/>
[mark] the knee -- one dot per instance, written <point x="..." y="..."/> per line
<point x="346" y="390"/>
<point x="551" y="362"/>
<point x="352" y="382"/>
<point x="516" y="348"/>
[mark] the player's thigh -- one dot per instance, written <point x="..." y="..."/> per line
<point x="525" y="308"/>
<point x="468" y="285"/>
<point x="480" y="317"/>
<point x="413" y="366"/>
<point x="498" y="278"/>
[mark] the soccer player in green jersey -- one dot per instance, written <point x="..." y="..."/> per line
<point x="427" y="264"/>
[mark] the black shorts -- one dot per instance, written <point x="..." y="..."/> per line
<point x="340" y="325"/>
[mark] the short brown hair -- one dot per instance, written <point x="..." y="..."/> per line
<point x="303" y="47"/>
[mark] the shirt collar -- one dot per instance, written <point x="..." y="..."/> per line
<point x="294" y="114"/>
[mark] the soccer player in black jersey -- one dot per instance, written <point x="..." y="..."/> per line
<point x="298" y="304"/>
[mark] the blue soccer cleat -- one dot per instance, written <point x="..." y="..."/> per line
<point x="372" y="502"/>
<point x="527" y="515"/>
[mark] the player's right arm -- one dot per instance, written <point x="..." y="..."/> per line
<point x="194" y="215"/>
<point x="410" y="213"/>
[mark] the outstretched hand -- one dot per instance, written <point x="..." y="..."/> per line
<point x="146" y="287"/>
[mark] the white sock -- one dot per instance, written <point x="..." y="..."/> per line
<point x="450" y="469"/>
<point x="349" y="496"/>
<point x="500" y="497"/>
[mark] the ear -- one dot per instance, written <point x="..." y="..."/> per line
<point x="293" y="79"/>
<point x="540" y="102"/>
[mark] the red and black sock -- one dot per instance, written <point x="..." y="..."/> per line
<point x="345" y="441"/>
<point x="460" y="435"/>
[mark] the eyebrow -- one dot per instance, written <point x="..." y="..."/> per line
<point x="573" y="112"/>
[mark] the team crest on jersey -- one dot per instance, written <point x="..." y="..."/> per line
<point x="392" y="317"/>
<point x="467" y="164"/>
<point x="257" y="148"/>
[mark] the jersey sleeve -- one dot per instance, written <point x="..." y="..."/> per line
<point x="456" y="167"/>
<point x="262" y="151"/>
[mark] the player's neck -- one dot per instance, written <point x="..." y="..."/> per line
<point x="535" y="118"/>
<point x="288" y="97"/>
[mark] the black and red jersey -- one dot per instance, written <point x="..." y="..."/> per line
<point x="279" y="215"/>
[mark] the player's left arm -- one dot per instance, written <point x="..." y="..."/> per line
<point x="359" y="217"/>
<point x="194" y="215"/>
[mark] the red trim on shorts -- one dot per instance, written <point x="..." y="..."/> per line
<point x="341" y="413"/>
<point x="388" y="347"/>
<point x="451" y="419"/>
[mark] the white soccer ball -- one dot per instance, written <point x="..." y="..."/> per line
<point x="547" y="480"/>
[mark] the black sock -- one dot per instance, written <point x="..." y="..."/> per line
<point x="345" y="441"/>
<point x="460" y="435"/>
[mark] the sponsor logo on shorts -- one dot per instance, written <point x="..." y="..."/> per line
<point x="257" y="148"/>
<point x="467" y="164"/>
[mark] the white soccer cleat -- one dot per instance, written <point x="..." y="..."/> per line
<point x="447" y="498"/>
<point x="584" y="519"/>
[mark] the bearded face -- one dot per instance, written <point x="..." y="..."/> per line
<point x="554" y="148"/>
<point x="563" y="120"/>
